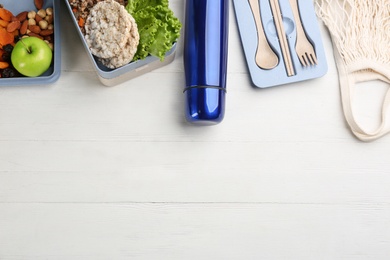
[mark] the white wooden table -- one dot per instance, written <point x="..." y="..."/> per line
<point x="95" y="172"/>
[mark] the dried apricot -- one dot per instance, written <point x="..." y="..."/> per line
<point x="4" y="23"/>
<point x="6" y="37"/>
<point x="4" y="64"/>
<point x="6" y="15"/>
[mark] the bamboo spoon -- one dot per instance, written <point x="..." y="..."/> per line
<point x="265" y="57"/>
<point x="277" y="14"/>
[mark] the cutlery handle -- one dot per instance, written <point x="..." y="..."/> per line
<point x="277" y="14"/>
<point x="205" y="60"/>
<point x="297" y="18"/>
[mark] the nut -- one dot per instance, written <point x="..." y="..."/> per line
<point x="34" y="28"/>
<point x="35" y="35"/>
<point x="41" y="13"/>
<point x="49" y="38"/>
<point x="13" y="26"/>
<point x="31" y="14"/>
<point x="49" y="11"/>
<point x="43" y="24"/>
<point x="49" y="18"/>
<point x="38" y="4"/>
<point x="23" y="27"/>
<point x="46" y="32"/>
<point x="51" y="45"/>
<point x="32" y="21"/>
<point x="22" y="16"/>
<point x="38" y="18"/>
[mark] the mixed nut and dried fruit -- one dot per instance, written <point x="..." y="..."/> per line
<point x="121" y="31"/>
<point x="14" y="27"/>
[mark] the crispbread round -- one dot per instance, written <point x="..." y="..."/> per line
<point x="109" y="30"/>
<point x="127" y="52"/>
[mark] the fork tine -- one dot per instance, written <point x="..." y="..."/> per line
<point x="313" y="58"/>
<point x="307" y="59"/>
<point x="303" y="47"/>
<point x="302" y="60"/>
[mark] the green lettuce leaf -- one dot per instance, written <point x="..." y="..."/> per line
<point x="157" y="26"/>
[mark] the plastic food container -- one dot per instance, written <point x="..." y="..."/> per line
<point x="53" y="73"/>
<point x="112" y="77"/>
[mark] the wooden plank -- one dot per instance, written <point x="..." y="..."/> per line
<point x="194" y="231"/>
<point x="95" y="170"/>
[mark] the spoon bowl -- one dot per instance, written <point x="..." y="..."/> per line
<point x="265" y="56"/>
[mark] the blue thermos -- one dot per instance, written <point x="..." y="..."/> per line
<point x="205" y="60"/>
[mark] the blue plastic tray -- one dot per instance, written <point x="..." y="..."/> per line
<point x="277" y="76"/>
<point x="53" y="73"/>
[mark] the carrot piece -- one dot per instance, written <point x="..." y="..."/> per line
<point x="81" y="22"/>
<point x="4" y="64"/>
<point x="5" y="14"/>
<point x="6" y="37"/>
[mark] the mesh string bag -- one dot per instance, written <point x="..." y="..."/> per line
<point x="360" y="33"/>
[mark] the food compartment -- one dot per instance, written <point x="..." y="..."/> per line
<point x="54" y="71"/>
<point x="112" y="77"/>
<point x="278" y="75"/>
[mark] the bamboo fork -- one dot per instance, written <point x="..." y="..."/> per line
<point x="277" y="14"/>
<point x="303" y="47"/>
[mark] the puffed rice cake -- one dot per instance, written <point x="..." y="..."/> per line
<point x="111" y="33"/>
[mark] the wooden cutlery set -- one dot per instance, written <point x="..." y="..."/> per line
<point x="281" y="41"/>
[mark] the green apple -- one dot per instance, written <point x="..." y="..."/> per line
<point x="31" y="56"/>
